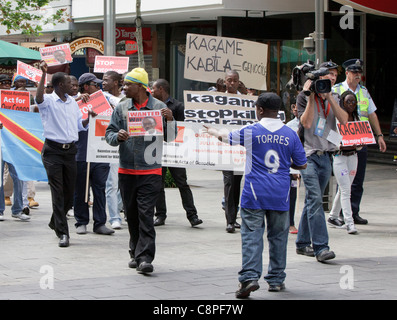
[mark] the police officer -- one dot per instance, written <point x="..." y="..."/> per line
<point x="366" y="111"/>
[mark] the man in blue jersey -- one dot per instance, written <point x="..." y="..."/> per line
<point x="272" y="148"/>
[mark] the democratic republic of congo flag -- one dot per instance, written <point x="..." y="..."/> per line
<point x="22" y="141"/>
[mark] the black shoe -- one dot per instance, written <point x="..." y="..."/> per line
<point x="64" y="241"/>
<point x="306" y="251"/>
<point x="26" y="210"/>
<point x="335" y="223"/>
<point x="358" y="220"/>
<point x="325" y="255"/>
<point x="132" y="263"/>
<point x="237" y="225"/>
<point x="145" y="267"/>
<point x="160" y="221"/>
<point x="246" y="288"/>
<point x="230" y="228"/>
<point x="195" y="221"/>
<point x="276" y="287"/>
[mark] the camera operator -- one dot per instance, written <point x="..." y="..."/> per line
<point x="317" y="113"/>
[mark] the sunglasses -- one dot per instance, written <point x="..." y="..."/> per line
<point x="5" y="82"/>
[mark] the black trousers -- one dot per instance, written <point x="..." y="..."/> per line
<point x="139" y="194"/>
<point x="231" y="183"/>
<point x="180" y="178"/>
<point x="357" y="188"/>
<point x="60" y="165"/>
<point x="98" y="176"/>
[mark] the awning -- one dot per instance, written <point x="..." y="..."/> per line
<point x="387" y="8"/>
<point x="10" y="53"/>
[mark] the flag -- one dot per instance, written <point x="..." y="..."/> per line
<point x="22" y="141"/>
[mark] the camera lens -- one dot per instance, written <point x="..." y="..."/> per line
<point x="323" y="86"/>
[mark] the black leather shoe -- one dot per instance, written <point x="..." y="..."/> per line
<point x="230" y="228"/>
<point x="159" y="221"/>
<point x="237" y="225"/>
<point x="306" y="251"/>
<point x="145" y="267"/>
<point x="195" y="221"/>
<point x="325" y="255"/>
<point x="358" y="220"/>
<point x="246" y="288"/>
<point x="132" y="263"/>
<point x="64" y="241"/>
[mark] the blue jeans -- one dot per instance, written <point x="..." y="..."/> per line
<point x="17" y="203"/>
<point x="113" y="197"/>
<point x="252" y="230"/>
<point x="312" y="226"/>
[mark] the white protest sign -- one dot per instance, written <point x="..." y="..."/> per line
<point x="195" y="148"/>
<point x="207" y="58"/>
<point x="98" y="150"/>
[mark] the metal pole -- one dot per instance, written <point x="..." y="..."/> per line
<point x="109" y="27"/>
<point x="319" y="33"/>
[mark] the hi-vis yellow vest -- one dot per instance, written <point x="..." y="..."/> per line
<point x="362" y="99"/>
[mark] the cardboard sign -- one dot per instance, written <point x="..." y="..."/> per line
<point x="106" y="63"/>
<point x="98" y="150"/>
<point x="193" y="148"/>
<point x="356" y="132"/>
<point x="207" y="58"/>
<point x="97" y="103"/>
<point x="15" y="100"/>
<point x="29" y="72"/>
<point x="56" y="55"/>
<point x="145" y="123"/>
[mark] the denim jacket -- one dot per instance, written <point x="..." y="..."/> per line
<point x="141" y="152"/>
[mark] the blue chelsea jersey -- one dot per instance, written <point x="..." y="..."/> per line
<point x="270" y="147"/>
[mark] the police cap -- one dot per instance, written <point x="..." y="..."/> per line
<point x="353" y="65"/>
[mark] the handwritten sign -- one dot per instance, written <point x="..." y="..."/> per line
<point x="97" y="103"/>
<point x="356" y="132"/>
<point x="209" y="57"/>
<point x="29" y="72"/>
<point x="15" y="100"/>
<point x="106" y="63"/>
<point x="144" y="123"/>
<point x="56" y="55"/>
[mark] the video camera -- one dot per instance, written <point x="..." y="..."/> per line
<point x="300" y="74"/>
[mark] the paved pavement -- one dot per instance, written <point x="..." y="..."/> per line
<point x="198" y="263"/>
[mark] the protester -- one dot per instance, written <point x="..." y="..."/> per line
<point x="345" y="166"/>
<point x="61" y="129"/>
<point x="140" y="166"/>
<point x="231" y="179"/>
<point x="97" y="175"/>
<point x="270" y="147"/>
<point x="317" y="114"/>
<point x="366" y="112"/>
<point x="17" y="207"/>
<point x="161" y="91"/>
<point x="111" y="85"/>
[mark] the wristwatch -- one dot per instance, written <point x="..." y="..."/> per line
<point x="379" y="135"/>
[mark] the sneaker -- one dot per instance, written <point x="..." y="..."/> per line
<point x="82" y="229"/>
<point x="21" y="216"/>
<point x="276" y="287"/>
<point x="116" y="225"/>
<point x="32" y="203"/>
<point x="1" y="217"/>
<point x="7" y="201"/>
<point x="103" y="230"/>
<point x="246" y="288"/>
<point x="351" y="229"/>
<point x="325" y="255"/>
<point x="335" y="223"/>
